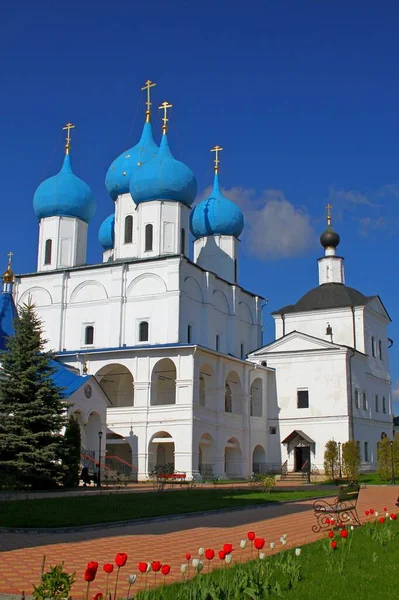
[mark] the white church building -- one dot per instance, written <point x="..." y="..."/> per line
<point x="174" y="344"/>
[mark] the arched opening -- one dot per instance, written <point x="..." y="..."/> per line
<point x="182" y="240"/>
<point x="206" y="451"/>
<point x="119" y="457"/>
<point x="205" y="385"/>
<point x="128" y="229"/>
<point x="233" y="459"/>
<point x="117" y="382"/>
<point x="233" y="394"/>
<point x="148" y="237"/>
<point x="89" y="335"/>
<point x="48" y="251"/>
<point x="143" y="331"/>
<point x="163" y="383"/>
<point x="161" y="451"/>
<point x="256" y="398"/>
<point x="259" y="460"/>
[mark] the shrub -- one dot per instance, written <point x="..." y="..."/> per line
<point x="331" y="465"/>
<point x="351" y="459"/>
<point x="55" y="584"/>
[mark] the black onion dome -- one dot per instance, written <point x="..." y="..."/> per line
<point x="329" y="238"/>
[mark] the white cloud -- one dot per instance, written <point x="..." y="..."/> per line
<point x="349" y="196"/>
<point x="367" y="224"/>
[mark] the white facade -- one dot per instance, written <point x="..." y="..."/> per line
<point x="62" y="243"/>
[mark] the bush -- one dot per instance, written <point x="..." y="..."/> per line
<point x="157" y="475"/>
<point x="384" y="455"/>
<point x="71" y="458"/>
<point x="351" y="460"/>
<point x="263" y="482"/>
<point x="331" y="458"/>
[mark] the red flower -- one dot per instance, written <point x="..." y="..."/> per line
<point x="259" y="543"/>
<point x="251" y="536"/>
<point x="331" y="534"/>
<point x="333" y="545"/>
<point x="371" y="511"/>
<point x="327" y="521"/>
<point x="165" y="569"/>
<point x="367" y="512"/>
<point x="209" y="554"/>
<point x="142" y="567"/>
<point x="228" y="548"/>
<point x="108" y="567"/>
<point x="332" y="521"/>
<point x="120" y="559"/>
<point x="89" y="575"/>
<point x="188" y="556"/>
<point x="344" y="533"/>
<point x="393" y="516"/>
<point x="92" y="565"/>
<point x="385" y="509"/>
<point x="340" y="525"/>
<point x="98" y="596"/>
<point x="156" y="566"/>
<point x="222" y="554"/>
<point x="381" y="520"/>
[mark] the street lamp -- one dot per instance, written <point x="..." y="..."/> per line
<point x="392" y="462"/>
<point x="100" y="435"/>
<point x="339" y="460"/>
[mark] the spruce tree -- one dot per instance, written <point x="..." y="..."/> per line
<point x="72" y="450"/>
<point x="32" y="412"/>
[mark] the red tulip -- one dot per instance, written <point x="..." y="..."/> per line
<point x="142" y="567"/>
<point x="333" y="545"/>
<point x="92" y="565"/>
<point x="332" y="521"/>
<point x="367" y="512"/>
<point x="385" y="509"/>
<point x="98" y="596"/>
<point x="381" y="520"/>
<point x="108" y="567"/>
<point x="344" y="533"/>
<point x="340" y="525"/>
<point x="251" y="536"/>
<point x="331" y="534"/>
<point x="222" y="554"/>
<point x="89" y="575"/>
<point x="209" y="554"/>
<point x="156" y="566"/>
<point x="371" y="511"/>
<point x="228" y="548"/>
<point x="259" y="543"/>
<point x="327" y="521"/>
<point x="165" y="569"/>
<point x="188" y="556"/>
<point x="120" y="559"/>
<point x="393" y="516"/>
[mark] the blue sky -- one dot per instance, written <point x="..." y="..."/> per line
<point x="303" y="95"/>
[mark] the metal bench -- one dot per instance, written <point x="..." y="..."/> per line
<point x="341" y="510"/>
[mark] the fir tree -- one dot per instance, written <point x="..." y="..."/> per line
<point x="72" y="450"/>
<point x="31" y="409"/>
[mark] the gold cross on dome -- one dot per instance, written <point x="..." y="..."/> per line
<point x="147" y="86"/>
<point x="328" y="209"/>
<point x="164" y="106"/>
<point x="10" y="255"/>
<point x="216" y="150"/>
<point x="68" y="128"/>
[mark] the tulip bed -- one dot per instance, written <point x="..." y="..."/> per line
<point x="107" y="507"/>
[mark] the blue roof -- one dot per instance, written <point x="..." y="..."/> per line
<point x="216" y="215"/>
<point x="67" y="379"/>
<point x="106" y="233"/>
<point x="8" y="314"/>
<point x="64" y="195"/>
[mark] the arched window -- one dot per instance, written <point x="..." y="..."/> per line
<point x="89" y="335"/>
<point x="148" y="238"/>
<point x="366" y="452"/>
<point x="128" y="229"/>
<point x="47" y="252"/>
<point x="189" y="334"/>
<point x="143" y="331"/>
<point x="228" y="404"/>
<point x="217" y="343"/>
<point x="182" y="240"/>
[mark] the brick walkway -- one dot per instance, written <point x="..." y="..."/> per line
<point x="167" y="541"/>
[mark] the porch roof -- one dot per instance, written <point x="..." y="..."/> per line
<point x="299" y="433"/>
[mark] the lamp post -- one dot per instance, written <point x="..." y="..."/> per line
<point x="392" y="462"/>
<point x="339" y="460"/>
<point x="100" y="435"/>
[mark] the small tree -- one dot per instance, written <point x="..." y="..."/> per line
<point x="351" y="460"/>
<point x="385" y="448"/>
<point x="72" y="449"/>
<point x="331" y="466"/>
<point x="31" y="408"/>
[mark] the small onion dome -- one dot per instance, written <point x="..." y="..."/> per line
<point x="329" y="238"/>
<point x="106" y="233"/>
<point x="64" y="195"/>
<point x="216" y="215"/>
<point x="126" y="165"/>
<point x="164" y="178"/>
<point x="8" y="276"/>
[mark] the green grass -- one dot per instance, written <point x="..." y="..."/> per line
<point x="361" y="567"/>
<point x="103" y="508"/>
<point x="367" y="478"/>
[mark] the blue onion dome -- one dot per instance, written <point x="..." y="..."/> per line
<point x="64" y="195"/>
<point x="216" y="215"/>
<point x="164" y="178"/>
<point x="106" y="233"/>
<point x="126" y="165"/>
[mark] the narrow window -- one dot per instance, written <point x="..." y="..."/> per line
<point x="47" y="252"/>
<point x="303" y="398"/>
<point x="189" y="334"/>
<point x="143" y="331"/>
<point x="89" y="335"/>
<point x="272" y="430"/>
<point x="356" y="398"/>
<point x="228" y="405"/>
<point x="380" y="349"/>
<point x="384" y="405"/>
<point x="242" y="351"/>
<point x="235" y="270"/>
<point x="129" y="229"/>
<point x="148" y="238"/>
<point x="377" y="408"/>
<point x="182" y="241"/>
<point x="372" y="346"/>
<point x="366" y="452"/>
<point x="364" y="401"/>
<point x="217" y="343"/>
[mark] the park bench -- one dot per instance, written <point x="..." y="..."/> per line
<point x="340" y="510"/>
<point x="176" y="478"/>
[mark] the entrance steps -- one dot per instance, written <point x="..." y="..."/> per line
<point x="294" y="477"/>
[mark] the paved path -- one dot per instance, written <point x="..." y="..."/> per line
<point x="167" y="541"/>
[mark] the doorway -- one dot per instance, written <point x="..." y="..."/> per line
<point x="302" y="456"/>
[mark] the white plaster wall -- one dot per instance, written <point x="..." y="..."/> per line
<point x="69" y="242"/>
<point x="125" y="206"/>
<point x="331" y="269"/>
<point x="218" y="254"/>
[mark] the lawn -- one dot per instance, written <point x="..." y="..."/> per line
<point x="364" y="566"/>
<point x="87" y="510"/>
<point x="366" y="478"/>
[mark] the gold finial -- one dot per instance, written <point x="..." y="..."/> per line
<point x="328" y="209"/>
<point x="216" y="150"/>
<point x="68" y="128"/>
<point x="8" y="276"/>
<point x="147" y="86"/>
<point x="164" y="106"/>
<point x="85" y="367"/>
